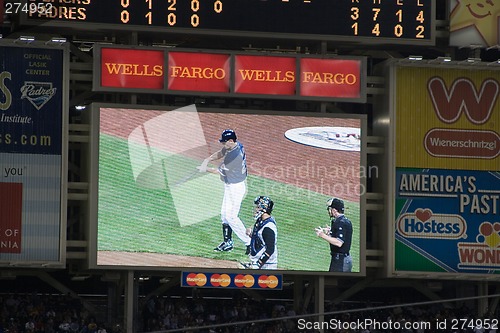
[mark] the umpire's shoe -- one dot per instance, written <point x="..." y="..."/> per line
<point x="225" y="246"/>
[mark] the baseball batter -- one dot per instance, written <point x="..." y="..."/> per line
<point x="338" y="235"/>
<point x="264" y="244"/>
<point x="233" y="172"/>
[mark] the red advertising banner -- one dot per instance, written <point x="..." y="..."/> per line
<point x="226" y="73"/>
<point x="330" y="78"/>
<point x="206" y="72"/>
<point x="126" y="68"/>
<point x="11" y="207"/>
<point x="264" y="75"/>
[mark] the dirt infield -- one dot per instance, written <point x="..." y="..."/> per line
<point x="141" y="259"/>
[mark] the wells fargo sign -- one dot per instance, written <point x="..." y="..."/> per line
<point x="264" y="75"/>
<point x="192" y="71"/>
<point x="330" y="77"/>
<point x="132" y="68"/>
<point x="230" y="74"/>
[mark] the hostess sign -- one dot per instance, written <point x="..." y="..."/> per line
<point x="447" y="186"/>
<point x="230" y="74"/>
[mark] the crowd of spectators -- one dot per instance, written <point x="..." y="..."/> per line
<point x="252" y="316"/>
<point x="48" y="313"/>
<point x="244" y="315"/>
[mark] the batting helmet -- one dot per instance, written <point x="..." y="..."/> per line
<point x="227" y="135"/>
<point x="335" y="203"/>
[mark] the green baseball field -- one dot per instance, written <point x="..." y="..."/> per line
<point x="135" y="219"/>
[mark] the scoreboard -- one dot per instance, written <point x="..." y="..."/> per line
<point x="358" y="21"/>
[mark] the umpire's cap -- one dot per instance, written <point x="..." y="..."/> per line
<point x="336" y="203"/>
<point x="227" y="135"/>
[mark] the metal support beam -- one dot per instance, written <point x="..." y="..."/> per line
<point x="482" y="303"/>
<point x="298" y="294"/>
<point x="46" y="277"/>
<point x="307" y="297"/>
<point x="494" y="303"/>
<point x="357" y="287"/>
<point x="319" y="305"/>
<point x="129" y="302"/>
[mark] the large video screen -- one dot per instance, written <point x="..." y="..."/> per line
<point x="161" y="203"/>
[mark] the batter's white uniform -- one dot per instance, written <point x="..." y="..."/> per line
<point x="233" y="173"/>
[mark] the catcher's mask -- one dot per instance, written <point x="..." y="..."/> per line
<point x="263" y="205"/>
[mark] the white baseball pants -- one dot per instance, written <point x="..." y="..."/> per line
<point x="231" y="204"/>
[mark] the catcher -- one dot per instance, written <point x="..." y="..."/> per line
<point x="264" y="237"/>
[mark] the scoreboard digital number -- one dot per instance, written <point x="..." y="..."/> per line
<point x="389" y="21"/>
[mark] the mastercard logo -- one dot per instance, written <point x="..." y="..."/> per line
<point x="220" y="280"/>
<point x="241" y="280"/>
<point x="198" y="280"/>
<point x="270" y="281"/>
<point x="223" y="280"/>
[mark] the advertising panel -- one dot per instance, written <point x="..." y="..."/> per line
<point x="447" y="221"/>
<point x="232" y="281"/>
<point x="265" y="75"/>
<point x="128" y="68"/>
<point x="447" y="170"/>
<point x="330" y="78"/>
<point x="474" y="23"/>
<point x="206" y="72"/>
<point x="159" y="202"/>
<point x="447" y="118"/>
<point x="229" y="74"/>
<point x="31" y="154"/>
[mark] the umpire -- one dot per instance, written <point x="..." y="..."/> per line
<point x="338" y="235"/>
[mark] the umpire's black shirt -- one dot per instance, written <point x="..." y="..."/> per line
<point x="342" y="229"/>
